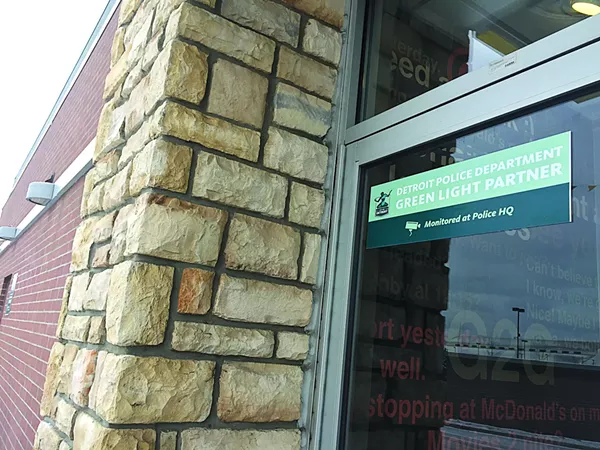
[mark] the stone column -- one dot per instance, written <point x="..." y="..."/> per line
<point x="195" y="269"/>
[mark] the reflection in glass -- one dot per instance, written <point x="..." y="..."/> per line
<point x="486" y="341"/>
<point x="414" y="46"/>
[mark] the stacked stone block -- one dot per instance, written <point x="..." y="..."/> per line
<point x="194" y="272"/>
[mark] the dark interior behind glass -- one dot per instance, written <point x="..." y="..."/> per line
<point x="437" y="361"/>
<point x="414" y="46"/>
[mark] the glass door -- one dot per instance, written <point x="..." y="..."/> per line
<point x="414" y="47"/>
<point x="465" y="306"/>
<point x="419" y="54"/>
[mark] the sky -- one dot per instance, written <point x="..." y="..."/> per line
<point x="41" y="43"/>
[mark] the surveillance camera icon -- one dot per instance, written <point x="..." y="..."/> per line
<point x="412" y="226"/>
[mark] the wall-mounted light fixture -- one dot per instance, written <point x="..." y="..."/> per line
<point x="8" y="233"/>
<point x="41" y="193"/>
<point x="587" y="7"/>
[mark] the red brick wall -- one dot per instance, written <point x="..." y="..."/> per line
<point x="41" y="257"/>
<point x="73" y="128"/>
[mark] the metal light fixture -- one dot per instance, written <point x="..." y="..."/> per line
<point x="41" y="193"/>
<point x="8" y="233"/>
<point x="587" y="7"/>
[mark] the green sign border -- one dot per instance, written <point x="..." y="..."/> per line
<point x="539" y="202"/>
<point x="472" y="166"/>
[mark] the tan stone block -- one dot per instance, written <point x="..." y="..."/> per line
<point x="164" y="9"/>
<point x="65" y="417"/>
<point x="65" y="374"/>
<point x="310" y="259"/>
<point x="296" y="156"/>
<point x="195" y="291"/>
<point x="101" y="258"/>
<point x="238" y="93"/>
<point x="222" y="35"/>
<point x="118" y="46"/>
<point x="64" y="306"/>
<point x="258" y="245"/>
<point x="220" y="340"/>
<point x="265" y="17"/>
<point x="128" y="8"/>
<point x="174" y="229"/>
<point x="134" y="108"/>
<point x="168" y="441"/>
<point x="132" y="81"/>
<point x="301" y="111"/>
<point x="330" y="11"/>
<point x="76" y="328"/>
<point x="82" y="244"/>
<point x="292" y="346"/>
<point x="99" y="368"/>
<point x="193" y="126"/>
<point x="119" y="237"/>
<point x="180" y="71"/>
<point x="52" y="378"/>
<point x="251" y="392"/>
<point x="110" y="130"/>
<point x="137" y="142"/>
<point x="116" y="76"/>
<point x="115" y="133"/>
<point x="88" y="186"/>
<point x="95" y="199"/>
<point x="206" y="439"/>
<point x="138" y="32"/>
<point x="306" y="72"/>
<point x="173" y="390"/>
<point x="46" y="438"/>
<point x="138" y="303"/>
<point x="322" y="42"/>
<point x="53" y="409"/>
<point x="152" y="51"/>
<point x="161" y="164"/>
<point x="97" y="332"/>
<point x="97" y="292"/>
<point x="139" y="22"/>
<point x="93" y="175"/>
<point x="108" y="165"/>
<point x="84" y="368"/>
<point x="78" y="291"/>
<point x="90" y="435"/>
<point x="104" y="227"/>
<point x="105" y="122"/>
<point x="306" y="205"/>
<point x="260" y="302"/>
<point x="116" y="190"/>
<point x="232" y="183"/>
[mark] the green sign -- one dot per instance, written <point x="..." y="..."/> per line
<point x="524" y="186"/>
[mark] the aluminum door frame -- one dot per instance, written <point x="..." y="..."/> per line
<point x="560" y="43"/>
<point x="540" y="84"/>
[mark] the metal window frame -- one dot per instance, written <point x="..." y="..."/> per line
<point x="472" y="100"/>
<point x="539" y="52"/>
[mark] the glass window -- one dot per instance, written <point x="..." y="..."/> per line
<point x="6" y="294"/>
<point x="413" y="46"/>
<point x="489" y="340"/>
